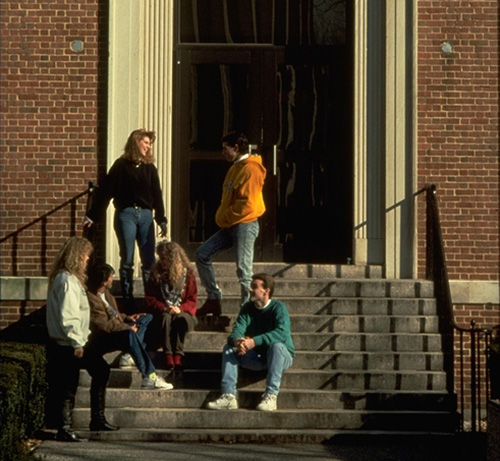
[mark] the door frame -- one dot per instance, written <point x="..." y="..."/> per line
<point x="262" y="62"/>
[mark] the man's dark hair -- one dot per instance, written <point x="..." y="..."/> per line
<point x="267" y="281"/>
<point x="97" y="275"/>
<point x="236" y="138"/>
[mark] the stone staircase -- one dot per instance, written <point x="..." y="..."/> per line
<point x="369" y="360"/>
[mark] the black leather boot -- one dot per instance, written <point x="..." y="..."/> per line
<point x="97" y="404"/>
<point x="66" y="432"/>
<point x="211" y="306"/>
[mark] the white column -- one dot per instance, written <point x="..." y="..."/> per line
<point x="368" y="242"/>
<point x="140" y="88"/>
<point x="399" y="140"/>
<point x="384" y="135"/>
<point x="156" y="84"/>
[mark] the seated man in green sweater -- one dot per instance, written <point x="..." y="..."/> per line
<point x="261" y="339"/>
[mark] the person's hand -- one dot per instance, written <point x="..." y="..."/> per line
<point x="163" y="227"/>
<point x="78" y="352"/>
<point x="173" y="309"/>
<point x="134" y="327"/>
<point x="87" y="222"/>
<point x="243" y="345"/>
<point x="135" y="317"/>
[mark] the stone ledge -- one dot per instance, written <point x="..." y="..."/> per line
<point x="475" y="292"/>
<point x="35" y="289"/>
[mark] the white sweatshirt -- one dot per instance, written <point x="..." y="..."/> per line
<point x="68" y="311"/>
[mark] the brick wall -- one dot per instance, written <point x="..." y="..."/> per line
<point x="49" y="125"/>
<point x="458" y="147"/>
<point x="52" y="106"/>
<point x="458" y="131"/>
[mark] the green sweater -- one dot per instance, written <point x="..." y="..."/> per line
<point x="267" y="326"/>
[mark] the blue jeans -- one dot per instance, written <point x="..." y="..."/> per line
<point x="142" y="325"/>
<point x="128" y="341"/>
<point x="276" y="361"/>
<point x="131" y="225"/>
<point x="242" y="238"/>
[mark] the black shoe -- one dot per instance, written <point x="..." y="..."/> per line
<point x="68" y="435"/>
<point x="211" y="306"/>
<point x="102" y="425"/>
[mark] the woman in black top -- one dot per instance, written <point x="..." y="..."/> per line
<point x="134" y="185"/>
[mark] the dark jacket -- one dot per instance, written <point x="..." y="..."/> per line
<point x="130" y="184"/>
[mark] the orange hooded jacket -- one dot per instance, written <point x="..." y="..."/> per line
<point x="242" y="200"/>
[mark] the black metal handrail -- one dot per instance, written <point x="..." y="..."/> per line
<point x="437" y="271"/>
<point x="14" y="236"/>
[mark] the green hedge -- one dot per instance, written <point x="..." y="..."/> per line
<point x="22" y="396"/>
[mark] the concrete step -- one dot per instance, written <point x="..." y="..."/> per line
<point x="293" y="379"/>
<point x="316" y="360"/>
<point x="220" y="421"/>
<point x="346" y="323"/>
<point x="415" y="361"/>
<point x="330" y="343"/>
<point x="445" y="435"/>
<point x="294" y="271"/>
<point x="289" y="399"/>
<point x="310" y="305"/>
<point x="334" y="342"/>
<point x="364" y="324"/>
<point x="324" y="287"/>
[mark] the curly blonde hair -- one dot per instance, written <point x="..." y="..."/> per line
<point x="131" y="150"/>
<point x="70" y="258"/>
<point x="179" y="262"/>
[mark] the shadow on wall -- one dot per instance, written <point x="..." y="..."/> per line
<point x="31" y="328"/>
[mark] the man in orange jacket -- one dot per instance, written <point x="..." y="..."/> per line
<point x="241" y="205"/>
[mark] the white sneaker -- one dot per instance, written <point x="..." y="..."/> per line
<point x="126" y="361"/>
<point x="156" y="383"/>
<point x="268" y="403"/>
<point x="224" y="402"/>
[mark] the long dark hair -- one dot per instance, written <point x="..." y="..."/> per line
<point x="97" y="275"/>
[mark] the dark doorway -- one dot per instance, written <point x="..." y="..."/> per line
<point x="284" y="80"/>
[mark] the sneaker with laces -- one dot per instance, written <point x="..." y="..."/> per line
<point x="126" y="361"/>
<point x="155" y="382"/>
<point x="224" y="402"/>
<point x="268" y="402"/>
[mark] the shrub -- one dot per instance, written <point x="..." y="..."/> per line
<point x="22" y="396"/>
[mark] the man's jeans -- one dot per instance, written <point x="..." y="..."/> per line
<point x="131" y="225"/>
<point x="242" y="238"/>
<point x="142" y="324"/>
<point x="276" y="361"/>
<point x="131" y="342"/>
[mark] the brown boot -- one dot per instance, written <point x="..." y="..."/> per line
<point x="211" y="306"/>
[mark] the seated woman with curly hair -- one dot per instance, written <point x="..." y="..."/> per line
<point x="172" y="298"/>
